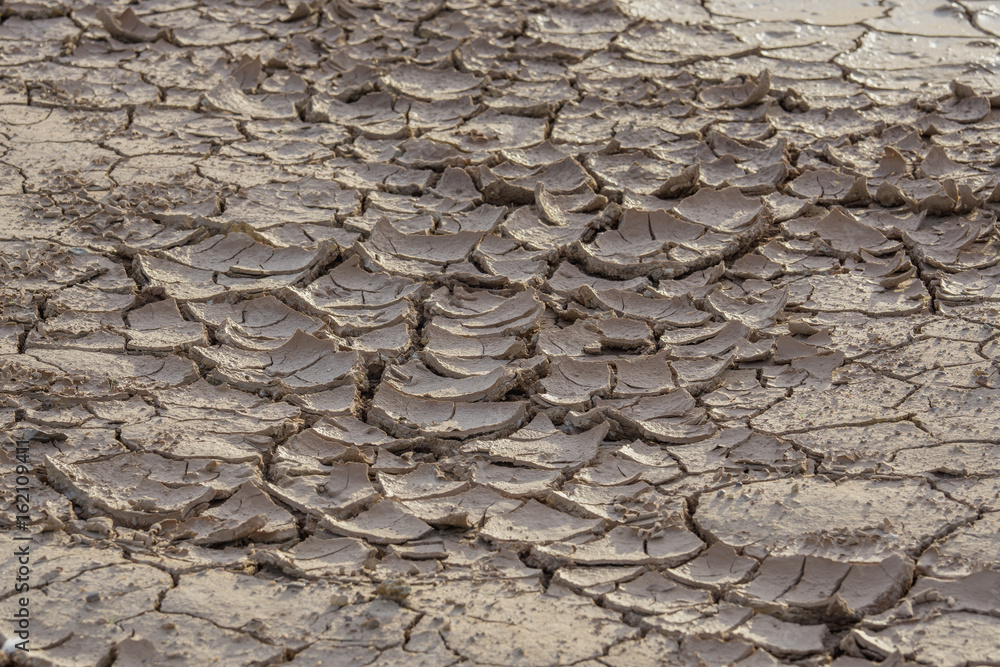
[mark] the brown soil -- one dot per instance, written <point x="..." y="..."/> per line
<point x="438" y="332"/>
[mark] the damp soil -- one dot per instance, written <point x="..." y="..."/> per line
<point x="526" y="333"/>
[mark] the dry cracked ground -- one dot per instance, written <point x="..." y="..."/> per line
<point x="524" y="333"/>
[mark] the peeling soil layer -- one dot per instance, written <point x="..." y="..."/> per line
<point x="441" y="332"/>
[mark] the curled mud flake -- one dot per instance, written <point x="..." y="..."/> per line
<point x="614" y="502"/>
<point x="826" y="186"/>
<point x="492" y="131"/>
<point x="671" y="417"/>
<point x="737" y="94"/>
<point x="811" y="590"/>
<point x="175" y="435"/>
<point x="707" y="634"/>
<point x="228" y="97"/>
<point x="626" y="545"/>
<point x="440" y="249"/>
<point x="540" y="445"/>
<point x="92" y="332"/>
<point x="565" y="177"/>
<point x="262" y="323"/>
<point x="937" y="165"/>
<point x="971" y="285"/>
<point x="757" y="312"/>
<point x="354" y="302"/>
<point x="431" y="84"/>
<point x="148" y="502"/>
<point x="698" y="375"/>
<point x="384" y="345"/>
<point x="407" y="416"/>
<point x="415" y="379"/>
<point x="480" y="314"/>
<point x="740" y="396"/>
<point x="654" y="594"/>
<point x="533" y="233"/>
<point x="968" y="109"/>
<point x="319" y="557"/>
<point x="588" y="580"/>
<point x="210" y="530"/>
<point x="659" y="312"/>
<point x="782" y="638"/>
<point x="637" y="248"/>
<point x="128" y="27"/>
<point x="250" y="501"/>
<point x="952" y="244"/>
<point x="426" y="482"/>
<point x="467" y="509"/>
<point x="159" y="327"/>
<point x="568" y="280"/>
<point x="442" y="343"/>
<point x="847" y="237"/>
<point x="515" y="482"/>
<point x="314" y="450"/>
<point x="534" y="523"/>
<point x="644" y="376"/>
<point x="717" y="567"/>
<point x="239" y="255"/>
<point x="342" y="492"/>
<point x="719" y="341"/>
<point x="642" y="175"/>
<point x="304" y="364"/>
<point x="385" y="522"/>
<point x="573" y="384"/>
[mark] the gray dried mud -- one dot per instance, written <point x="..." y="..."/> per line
<point x="438" y="332"/>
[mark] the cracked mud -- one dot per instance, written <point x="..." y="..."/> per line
<point x="436" y="332"/>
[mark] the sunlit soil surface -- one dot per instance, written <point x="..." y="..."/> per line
<point x="448" y="333"/>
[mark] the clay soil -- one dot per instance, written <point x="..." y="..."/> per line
<point x="443" y="332"/>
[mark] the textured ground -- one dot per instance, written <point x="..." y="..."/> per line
<point x="528" y="333"/>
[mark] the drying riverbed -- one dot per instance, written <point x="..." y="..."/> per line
<point x="528" y="333"/>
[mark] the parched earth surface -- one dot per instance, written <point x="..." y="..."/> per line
<point x="525" y="333"/>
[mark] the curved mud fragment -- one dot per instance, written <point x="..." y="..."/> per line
<point x="534" y="523"/>
<point x="540" y="445"/>
<point x="301" y="365"/>
<point x="407" y="416"/>
<point x="671" y="417"/>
